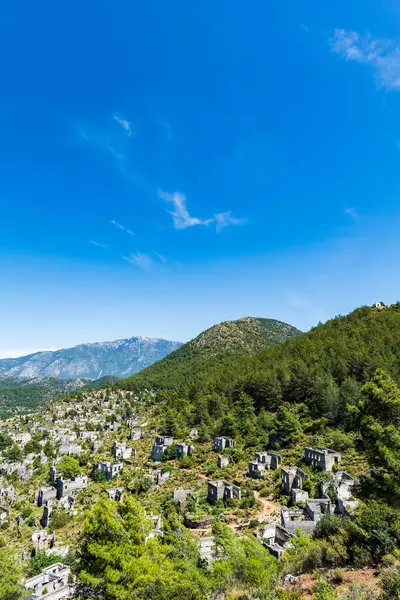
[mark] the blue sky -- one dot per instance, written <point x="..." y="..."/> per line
<point x="168" y="165"/>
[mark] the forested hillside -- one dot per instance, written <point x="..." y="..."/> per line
<point x="324" y="369"/>
<point x="20" y="395"/>
<point x="212" y="349"/>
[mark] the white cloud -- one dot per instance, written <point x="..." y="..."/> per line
<point x="352" y="212"/>
<point x="98" y="244"/>
<point x="183" y="219"/>
<point x="121" y="227"/>
<point x="181" y="216"/>
<point x="142" y="261"/>
<point x="124" y="124"/>
<point x="226" y="219"/>
<point x="382" y="55"/>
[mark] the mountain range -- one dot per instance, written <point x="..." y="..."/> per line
<point x="119" y="358"/>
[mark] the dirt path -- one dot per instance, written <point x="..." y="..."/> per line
<point x="269" y="509"/>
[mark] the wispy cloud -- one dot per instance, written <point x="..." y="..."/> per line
<point x="352" y="213"/>
<point x="115" y="153"/>
<point x="122" y="227"/>
<point x="226" y="219"/>
<point x="181" y="216"/>
<point x="124" y="124"/>
<point x="381" y="54"/>
<point x="98" y="244"/>
<point x="142" y="261"/>
<point x="183" y="219"/>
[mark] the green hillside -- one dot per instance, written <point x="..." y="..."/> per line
<point x="209" y="351"/>
<point x="323" y="370"/>
<point x="21" y="395"/>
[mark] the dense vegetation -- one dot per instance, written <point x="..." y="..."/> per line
<point x="22" y="395"/>
<point x="119" y="561"/>
<point x="212" y="349"/>
<point x="321" y="372"/>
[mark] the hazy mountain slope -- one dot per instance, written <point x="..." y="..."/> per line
<point x="208" y="350"/>
<point x="21" y="395"/>
<point x="120" y="358"/>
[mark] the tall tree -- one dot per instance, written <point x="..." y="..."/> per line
<point x="378" y="415"/>
<point x="10" y="577"/>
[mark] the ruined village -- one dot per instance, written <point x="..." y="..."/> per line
<point x="104" y="442"/>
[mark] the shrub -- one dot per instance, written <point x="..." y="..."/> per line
<point x="211" y="468"/>
<point x="186" y="462"/>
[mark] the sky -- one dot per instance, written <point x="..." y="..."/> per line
<point x="165" y="166"/>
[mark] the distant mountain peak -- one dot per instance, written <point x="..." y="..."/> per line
<point x="119" y="358"/>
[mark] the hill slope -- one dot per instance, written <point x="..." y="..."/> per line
<point x="21" y="395"/>
<point x="208" y="351"/>
<point x="120" y="358"/>
<point x="323" y="369"/>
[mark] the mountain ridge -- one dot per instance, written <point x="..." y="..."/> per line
<point x="119" y="358"/>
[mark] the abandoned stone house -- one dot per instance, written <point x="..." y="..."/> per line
<point x="264" y="461"/>
<point x="298" y="495"/>
<point x="7" y="468"/>
<point x="347" y="508"/>
<point x="112" y="426"/>
<point x="222" y="442"/>
<point x="160" y="476"/>
<point x="41" y="540"/>
<point x="162" y="442"/>
<point x="51" y="584"/>
<point x="4" y="513"/>
<point x="184" y="450"/>
<point x="7" y="492"/>
<point x="135" y="434"/>
<point x="322" y="458"/>
<point x="293" y="477"/>
<point x="91" y="436"/>
<point x="24" y="474"/>
<point x="47" y="510"/>
<point x="121" y="451"/>
<point x="69" y="449"/>
<point x="180" y="496"/>
<point x="68" y="486"/>
<point x="222" y="461"/>
<point x="115" y="494"/>
<point x="222" y="490"/>
<point x="207" y="548"/>
<point x="193" y="434"/>
<point x="157" y="526"/>
<point x="45" y="494"/>
<point x="343" y="483"/>
<point x="306" y="519"/>
<point x="53" y="473"/>
<point x="275" y="538"/>
<point x="21" y="438"/>
<point x="110" y="469"/>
